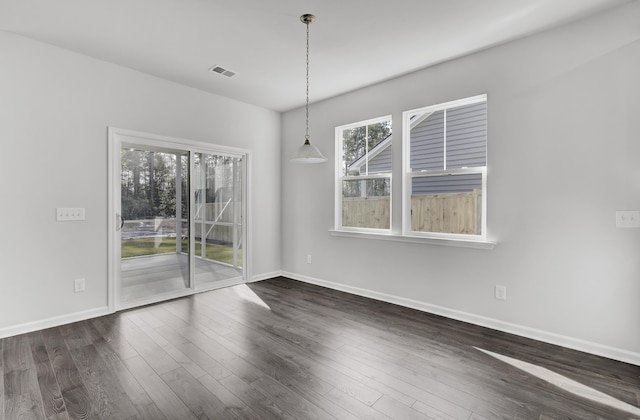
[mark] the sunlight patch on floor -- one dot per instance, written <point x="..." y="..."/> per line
<point x="249" y="295"/>
<point x="565" y="383"/>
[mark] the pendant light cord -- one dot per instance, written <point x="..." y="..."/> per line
<point x="307" y="153"/>
<point x="307" y="103"/>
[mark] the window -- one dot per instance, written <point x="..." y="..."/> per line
<point x="445" y="169"/>
<point x="363" y="175"/>
<point x="444" y="176"/>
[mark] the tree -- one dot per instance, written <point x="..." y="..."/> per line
<point x="147" y="184"/>
<point x="356" y="143"/>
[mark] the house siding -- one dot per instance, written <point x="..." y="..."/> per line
<point x="446" y="184"/>
<point x="427" y="143"/>
<point x="467" y="136"/>
<point x="466" y="146"/>
<point x="466" y="139"/>
<point x="381" y="163"/>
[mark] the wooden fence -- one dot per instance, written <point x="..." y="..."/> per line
<point x="371" y="212"/>
<point x="449" y="213"/>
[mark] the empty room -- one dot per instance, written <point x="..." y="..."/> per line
<point x="320" y="210"/>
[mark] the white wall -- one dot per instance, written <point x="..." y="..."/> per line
<point x="564" y="154"/>
<point x="55" y="107"/>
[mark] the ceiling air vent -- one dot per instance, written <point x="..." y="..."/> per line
<point x="222" y="71"/>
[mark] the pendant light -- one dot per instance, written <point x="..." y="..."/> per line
<point x="307" y="153"/>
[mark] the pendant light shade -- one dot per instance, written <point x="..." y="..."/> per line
<point x="308" y="153"/>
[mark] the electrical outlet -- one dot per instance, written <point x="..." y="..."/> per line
<point x="501" y="292"/>
<point x="78" y="285"/>
<point x="69" y="214"/>
<point x="628" y="218"/>
<point x="308" y="258"/>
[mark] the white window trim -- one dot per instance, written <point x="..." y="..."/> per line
<point x="339" y="178"/>
<point x="450" y="104"/>
<point x="405" y="234"/>
<point x="408" y="176"/>
<point x="458" y="242"/>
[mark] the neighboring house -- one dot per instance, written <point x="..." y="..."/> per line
<point x="379" y="159"/>
<point x="466" y="143"/>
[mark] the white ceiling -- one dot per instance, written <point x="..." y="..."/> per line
<point x="354" y="43"/>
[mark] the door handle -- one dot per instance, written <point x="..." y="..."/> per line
<point x="119" y="228"/>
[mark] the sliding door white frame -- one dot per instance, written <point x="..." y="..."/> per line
<point x="119" y="138"/>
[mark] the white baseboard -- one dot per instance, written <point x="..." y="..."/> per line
<point x="535" y="334"/>
<point x="52" y="322"/>
<point x="92" y="313"/>
<point x="265" y="276"/>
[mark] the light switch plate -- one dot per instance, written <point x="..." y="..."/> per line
<point x="69" y="214"/>
<point x="628" y="218"/>
<point x="78" y="285"/>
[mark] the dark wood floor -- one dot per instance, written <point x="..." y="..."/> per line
<point x="287" y="350"/>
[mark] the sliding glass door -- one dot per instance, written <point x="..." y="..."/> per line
<point x="154" y="230"/>
<point x="179" y="218"/>
<point x="217" y="217"/>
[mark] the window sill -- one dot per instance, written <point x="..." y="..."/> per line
<point x="460" y="243"/>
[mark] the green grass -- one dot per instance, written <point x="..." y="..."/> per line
<point x="148" y="246"/>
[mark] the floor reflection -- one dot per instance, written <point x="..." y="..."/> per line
<point x="243" y="291"/>
<point x="565" y="383"/>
